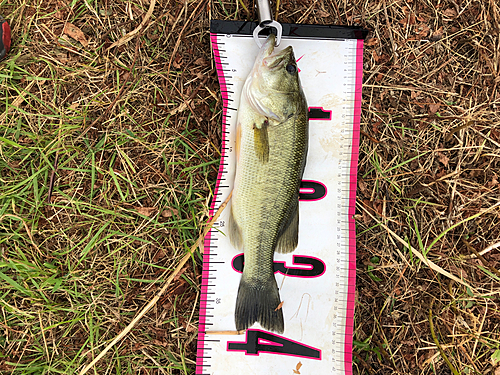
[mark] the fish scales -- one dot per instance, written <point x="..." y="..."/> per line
<point x="272" y="135"/>
<point x="268" y="191"/>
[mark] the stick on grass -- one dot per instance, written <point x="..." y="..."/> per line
<point x="161" y="292"/>
<point x="418" y="254"/>
<point x="441" y="351"/>
<point x="128" y="37"/>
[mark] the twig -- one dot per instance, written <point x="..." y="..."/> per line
<point x="363" y="362"/>
<point x="127" y="37"/>
<point x="484" y="261"/>
<point x="337" y="10"/>
<point x="482" y="252"/>
<point x="240" y="332"/>
<point x="179" y="37"/>
<point x="52" y="178"/>
<point x="389" y="29"/>
<point x="386" y="355"/>
<point x="436" y="341"/>
<point x="161" y="292"/>
<point x="374" y="140"/>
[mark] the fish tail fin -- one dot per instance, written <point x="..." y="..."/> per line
<point x="259" y="302"/>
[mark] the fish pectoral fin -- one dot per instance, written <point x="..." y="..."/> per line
<point x="234" y="231"/>
<point x="289" y="238"/>
<point x="261" y="141"/>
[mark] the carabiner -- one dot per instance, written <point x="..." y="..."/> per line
<point x="266" y="21"/>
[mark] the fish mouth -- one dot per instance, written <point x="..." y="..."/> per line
<point x="267" y="48"/>
<point x="279" y="59"/>
<point x="271" y="60"/>
<point x="266" y="52"/>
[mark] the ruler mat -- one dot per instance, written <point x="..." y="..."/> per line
<point x="317" y="280"/>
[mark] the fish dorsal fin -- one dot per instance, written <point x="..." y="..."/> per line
<point x="289" y="238"/>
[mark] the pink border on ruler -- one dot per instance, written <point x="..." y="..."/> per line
<point x="351" y="289"/>
<point x="352" y="207"/>
<point x="200" y="352"/>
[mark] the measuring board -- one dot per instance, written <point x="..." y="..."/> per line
<point x="317" y="280"/>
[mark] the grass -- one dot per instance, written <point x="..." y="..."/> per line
<point x="430" y="178"/>
<point x="127" y="201"/>
<point x="130" y="137"/>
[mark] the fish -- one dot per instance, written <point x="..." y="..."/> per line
<point x="271" y="149"/>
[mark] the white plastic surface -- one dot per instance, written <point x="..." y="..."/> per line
<point x="318" y="310"/>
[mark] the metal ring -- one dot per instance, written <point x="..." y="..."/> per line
<point x="259" y="28"/>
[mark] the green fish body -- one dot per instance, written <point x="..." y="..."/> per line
<point x="271" y="148"/>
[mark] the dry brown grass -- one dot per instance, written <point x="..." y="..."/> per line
<point x="129" y="194"/>
<point x="430" y="94"/>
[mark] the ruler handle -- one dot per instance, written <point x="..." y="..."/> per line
<point x="266" y="21"/>
<point x="264" y="10"/>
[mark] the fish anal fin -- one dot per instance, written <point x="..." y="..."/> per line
<point x="289" y="238"/>
<point x="234" y="231"/>
<point x="261" y="141"/>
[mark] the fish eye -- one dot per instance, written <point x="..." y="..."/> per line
<point x="290" y="68"/>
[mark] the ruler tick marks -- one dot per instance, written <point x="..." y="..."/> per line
<point x="215" y="302"/>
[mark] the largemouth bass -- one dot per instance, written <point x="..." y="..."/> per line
<point x="271" y="148"/>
